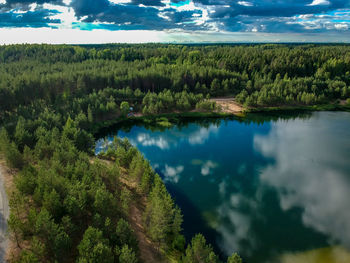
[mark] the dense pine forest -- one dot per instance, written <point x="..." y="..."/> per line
<point x="68" y="205"/>
<point x="257" y="75"/>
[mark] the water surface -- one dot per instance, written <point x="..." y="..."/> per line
<point x="273" y="189"/>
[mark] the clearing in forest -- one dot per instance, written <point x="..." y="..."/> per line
<point x="228" y="105"/>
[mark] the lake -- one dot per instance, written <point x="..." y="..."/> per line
<point x="272" y="188"/>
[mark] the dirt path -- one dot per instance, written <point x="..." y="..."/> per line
<point x="343" y="102"/>
<point x="4" y="215"/>
<point x="228" y="105"/>
<point x="148" y="250"/>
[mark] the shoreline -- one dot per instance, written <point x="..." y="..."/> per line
<point x="153" y="118"/>
<point x="175" y="116"/>
<point x="321" y="107"/>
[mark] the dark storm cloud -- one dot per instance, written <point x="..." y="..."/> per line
<point x="182" y="17"/>
<point x="148" y="2"/>
<point x="140" y="17"/>
<point x="24" y="4"/>
<point x="274" y="8"/>
<point x="40" y="18"/>
<point x="274" y="15"/>
<point x="228" y="15"/>
<point x="106" y="12"/>
<point x="89" y="7"/>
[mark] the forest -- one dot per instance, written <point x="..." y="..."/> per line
<point x="257" y="75"/>
<point x="69" y="205"/>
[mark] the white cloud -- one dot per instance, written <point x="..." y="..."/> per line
<point x="66" y="15"/>
<point x="325" y="22"/>
<point x="2" y="1"/>
<point x="203" y="18"/>
<point x="188" y="7"/>
<point x="341" y="26"/>
<point x="67" y="2"/>
<point x="245" y="3"/>
<point x="33" y="6"/>
<point x="120" y="1"/>
<point x="307" y="16"/>
<point x="164" y="16"/>
<point x="319" y="2"/>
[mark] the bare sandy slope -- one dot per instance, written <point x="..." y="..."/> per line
<point x="148" y="250"/>
<point x="228" y="105"/>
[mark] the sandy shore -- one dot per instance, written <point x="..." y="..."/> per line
<point x="228" y="105"/>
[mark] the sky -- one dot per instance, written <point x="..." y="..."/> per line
<point x="173" y="21"/>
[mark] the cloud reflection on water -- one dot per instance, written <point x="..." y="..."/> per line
<point x="194" y="135"/>
<point x="202" y="134"/>
<point x="309" y="172"/>
<point x="146" y="140"/>
<point x="172" y="174"/>
<point x="235" y="227"/>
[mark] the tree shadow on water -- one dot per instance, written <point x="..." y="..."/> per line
<point x="193" y="222"/>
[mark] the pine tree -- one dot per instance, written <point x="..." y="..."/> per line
<point x="94" y="248"/>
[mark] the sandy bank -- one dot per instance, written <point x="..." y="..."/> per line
<point x="228" y="105"/>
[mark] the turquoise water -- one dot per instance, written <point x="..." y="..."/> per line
<point x="264" y="187"/>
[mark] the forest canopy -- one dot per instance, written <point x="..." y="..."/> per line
<point x="98" y="78"/>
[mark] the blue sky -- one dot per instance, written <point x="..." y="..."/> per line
<point x="105" y="21"/>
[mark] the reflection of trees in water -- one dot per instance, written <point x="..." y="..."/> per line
<point x="193" y="223"/>
<point x="204" y="122"/>
<point x="261" y="118"/>
<point x="152" y="125"/>
<point x="258" y="118"/>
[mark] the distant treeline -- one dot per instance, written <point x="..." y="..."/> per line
<point x="259" y="75"/>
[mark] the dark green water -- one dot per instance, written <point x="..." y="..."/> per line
<point x="265" y="188"/>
